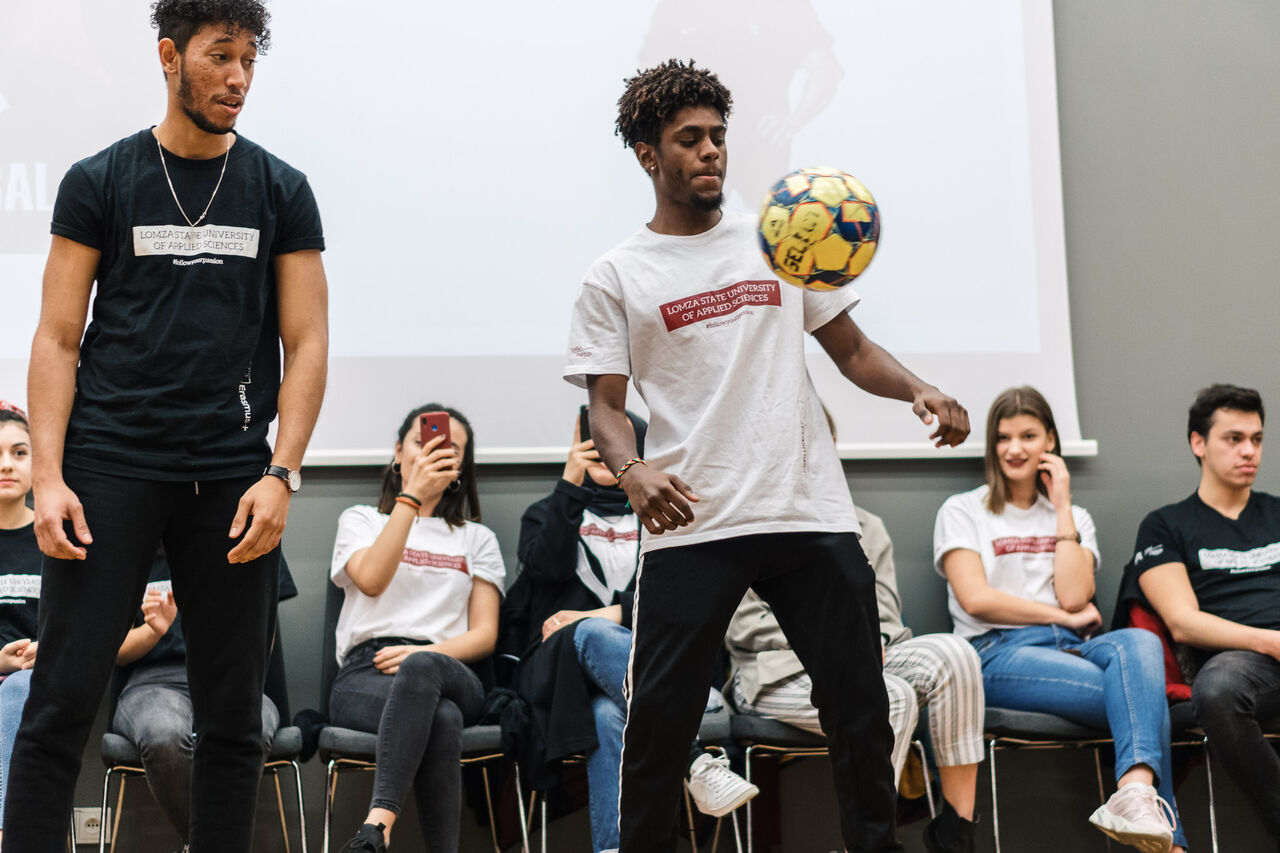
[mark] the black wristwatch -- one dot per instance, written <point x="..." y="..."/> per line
<point x="291" y="478"/>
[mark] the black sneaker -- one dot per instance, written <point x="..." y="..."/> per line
<point x="949" y="833"/>
<point x="368" y="839"/>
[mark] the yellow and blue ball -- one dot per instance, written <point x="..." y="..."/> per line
<point x="819" y="228"/>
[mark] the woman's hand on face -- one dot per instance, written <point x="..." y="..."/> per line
<point x="581" y="457"/>
<point x="1053" y="473"/>
<point x="432" y="471"/>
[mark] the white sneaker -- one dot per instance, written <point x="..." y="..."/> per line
<point x="717" y="790"/>
<point x="1136" y="815"/>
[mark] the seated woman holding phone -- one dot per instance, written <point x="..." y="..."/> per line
<point x="423" y="582"/>
<point x="568" y="619"/>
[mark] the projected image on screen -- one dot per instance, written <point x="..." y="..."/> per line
<point x="467" y="174"/>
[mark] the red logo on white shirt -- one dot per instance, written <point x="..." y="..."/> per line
<point x="1024" y="545"/>
<point x="608" y="533"/>
<point x="718" y="303"/>
<point x="456" y="562"/>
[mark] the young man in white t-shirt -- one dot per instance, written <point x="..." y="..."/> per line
<point x="687" y="309"/>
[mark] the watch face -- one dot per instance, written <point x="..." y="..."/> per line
<point x="295" y="481"/>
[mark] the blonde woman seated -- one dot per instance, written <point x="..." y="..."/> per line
<point x="1020" y="560"/>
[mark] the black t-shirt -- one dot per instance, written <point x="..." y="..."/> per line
<point x="19" y="584"/>
<point x="1234" y="564"/>
<point x="180" y="362"/>
<point x="172" y="647"/>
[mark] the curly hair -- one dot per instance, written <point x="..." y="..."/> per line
<point x="654" y="96"/>
<point x="179" y="20"/>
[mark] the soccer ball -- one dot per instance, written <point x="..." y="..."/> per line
<point x="819" y="228"/>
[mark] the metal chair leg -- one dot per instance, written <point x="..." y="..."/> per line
<point x="330" y="787"/>
<point x="1102" y="794"/>
<point x="995" y="800"/>
<point x="284" y="825"/>
<point x="115" y="822"/>
<point x="928" y="784"/>
<point x="302" y="813"/>
<point x="102" y="812"/>
<point x="1213" y="811"/>
<point x="751" y="833"/>
<point x="524" y="821"/>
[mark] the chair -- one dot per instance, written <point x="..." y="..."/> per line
<point x="122" y="759"/>
<point x="1187" y="732"/>
<point x="344" y="750"/>
<point x="715" y="729"/>
<point x="1008" y="729"/>
<point x="774" y="738"/>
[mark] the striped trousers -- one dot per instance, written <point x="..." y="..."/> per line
<point x="938" y="672"/>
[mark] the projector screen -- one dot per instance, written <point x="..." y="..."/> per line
<point x="467" y="173"/>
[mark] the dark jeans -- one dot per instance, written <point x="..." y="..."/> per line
<point x="823" y="592"/>
<point x="419" y="714"/>
<point x="1233" y="694"/>
<point x="154" y="713"/>
<point x="86" y="608"/>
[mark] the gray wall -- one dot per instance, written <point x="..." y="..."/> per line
<point x="1170" y="125"/>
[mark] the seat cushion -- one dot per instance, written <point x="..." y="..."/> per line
<point x="748" y="729"/>
<point x="337" y="742"/>
<point x="117" y="749"/>
<point x="1035" y="725"/>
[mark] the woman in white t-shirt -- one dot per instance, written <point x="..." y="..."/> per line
<point x="1020" y="560"/>
<point x="423" y="581"/>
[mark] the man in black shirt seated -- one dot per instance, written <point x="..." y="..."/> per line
<point x="1210" y="566"/>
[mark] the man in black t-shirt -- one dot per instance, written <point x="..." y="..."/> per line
<point x="205" y="250"/>
<point x="1210" y="566"/>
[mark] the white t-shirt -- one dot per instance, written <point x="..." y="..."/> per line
<point x="614" y="540"/>
<point x="428" y="595"/>
<point x="1016" y="548"/>
<point x="715" y="345"/>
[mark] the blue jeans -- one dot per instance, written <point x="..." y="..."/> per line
<point x="13" y="695"/>
<point x="604" y="647"/>
<point x="1114" y="681"/>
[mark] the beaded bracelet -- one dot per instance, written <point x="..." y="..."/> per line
<point x="618" y="477"/>
<point x="408" y="499"/>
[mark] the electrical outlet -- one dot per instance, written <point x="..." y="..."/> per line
<point x="87" y="825"/>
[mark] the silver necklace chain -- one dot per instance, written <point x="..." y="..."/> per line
<point x="172" y="192"/>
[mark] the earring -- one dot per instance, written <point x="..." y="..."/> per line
<point x="454" y="486"/>
<point x="395" y="468"/>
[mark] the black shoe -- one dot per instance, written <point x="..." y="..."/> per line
<point x="368" y="839"/>
<point x="949" y="833"/>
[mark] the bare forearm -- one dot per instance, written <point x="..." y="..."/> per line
<point x="610" y="428"/>
<point x="999" y="607"/>
<point x="874" y="369"/>
<point x="469" y="646"/>
<point x="1073" y="580"/>
<point x="1207" y="631"/>
<point x="301" y="393"/>
<point x="51" y="386"/>
<point x="373" y="569"/>
<point x="137" y="643"/>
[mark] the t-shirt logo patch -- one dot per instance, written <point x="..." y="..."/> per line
<point x="183" y="241"/>
<point x="719" y="303"/>
<point x="1024" y="545"/>
<point x="1237" y="562"/>
<point x="19" y="586"/>
<point x="413" y="557"/>
<point x="608" y="533"/>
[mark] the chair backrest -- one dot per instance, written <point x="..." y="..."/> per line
<point x="333" y="598"/>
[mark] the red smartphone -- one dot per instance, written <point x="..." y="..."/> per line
<point x="435" y="424"/>
<point x="584" y="424"/>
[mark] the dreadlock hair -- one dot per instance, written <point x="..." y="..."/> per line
<point x="654" y="96"/>
<point x="179" y="20"/>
